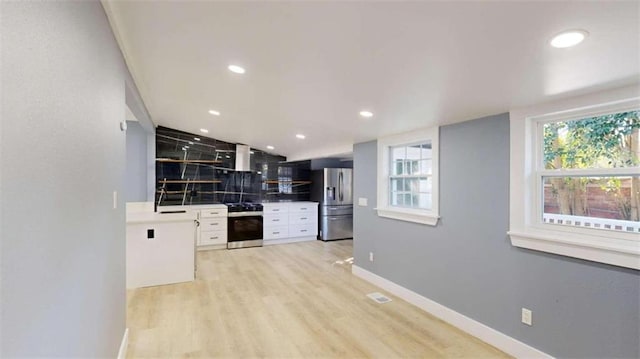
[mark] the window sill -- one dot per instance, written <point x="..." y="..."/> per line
<point x="615" y="251"/>
<point x="409" y="215"/>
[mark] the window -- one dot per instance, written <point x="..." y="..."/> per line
<point x="588" y="172"/>
<point x="410" y="176"/>
<point x="407" y="177"/>
<point x="575" y="181"/>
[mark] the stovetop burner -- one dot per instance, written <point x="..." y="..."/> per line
<point x="244" y="207"/>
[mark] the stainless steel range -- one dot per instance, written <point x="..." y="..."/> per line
<point x="244" y="225"/>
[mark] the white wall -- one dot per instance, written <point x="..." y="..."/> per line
<point x="63" y="155"/>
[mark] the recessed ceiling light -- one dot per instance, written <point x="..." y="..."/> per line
<point x="237" y="69"/>
<point x="228" y="156"/>
<point x="568" y="38"/>
<point x="270" y="147"/>
<point x="214" y="112"/>
<point x="191" y="143"/>
<point x="186" y="146"/>
<point x="251" y="152"/>
<point x="366" y="114"/>
<point x="204" y="130"/>
<point x="300" y="136"/>
<point x="197" y="138"/>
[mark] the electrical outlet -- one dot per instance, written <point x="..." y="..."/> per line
<point x="526" y="316"/>
<point x="362" y="202"/>
<point x="370" y="256"/>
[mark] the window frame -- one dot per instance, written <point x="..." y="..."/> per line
<point x="416" y="215"/>
<point x="419" y="177"/>
<point x="526" y="228"/>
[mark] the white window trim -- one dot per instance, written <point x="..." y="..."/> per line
<point x="422" y="216"/>
<point x="525" y="227"/>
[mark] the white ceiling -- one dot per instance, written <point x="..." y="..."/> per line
<point x="312" y="66"/>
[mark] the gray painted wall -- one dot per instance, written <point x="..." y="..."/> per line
<point x="151" y="166"/>
<point x="136" y="105"/>
<point x="63" y="155"/>
<point x="136" y="173"/>
<point x="580" y="309"/>
<point x="320" y="163"/>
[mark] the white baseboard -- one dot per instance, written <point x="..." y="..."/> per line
<point x="122" y="353"/>
<point x="489" y="335"/>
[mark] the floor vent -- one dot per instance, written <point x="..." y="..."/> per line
<point x="379" y="297"/>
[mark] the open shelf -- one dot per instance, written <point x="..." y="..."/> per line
<point x="188" y="181"/>
<point x="292" y="182"/>
<point x="170" y="160"/>
<point x="210" y="192"/>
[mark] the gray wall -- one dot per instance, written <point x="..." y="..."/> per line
<point x="320" y="163"/>
<point x="580" y="308"/>
<point x="63" y="155"/>
<point x="137" y="158"/>
<point x="136" y="105"/>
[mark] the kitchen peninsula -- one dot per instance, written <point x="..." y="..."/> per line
<point x="160" y="247"/>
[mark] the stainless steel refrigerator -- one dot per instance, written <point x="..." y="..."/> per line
<point x="333" y="188"/>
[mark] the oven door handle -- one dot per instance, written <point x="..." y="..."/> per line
<point x="245" y="214"/>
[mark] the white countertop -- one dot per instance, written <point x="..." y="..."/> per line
<point x="153" y="217"/>
<point x="192" y="207"/>
<point x="142" y="212"/>
<point x="281" y="202"/>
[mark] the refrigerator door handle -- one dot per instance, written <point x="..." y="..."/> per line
<point x="341" y="186"/>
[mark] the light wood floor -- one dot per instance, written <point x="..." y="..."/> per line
<point x="285" y="301"/>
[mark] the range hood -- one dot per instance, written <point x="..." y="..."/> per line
<point x="243" y="158"/>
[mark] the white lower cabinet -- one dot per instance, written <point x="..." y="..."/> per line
<point x="303" y="218"/>
<point x="283" y="222"/>
<point x="286" y="222"/>
<point x="275" y="220"/>
<point x="213" y="224"/>
<point x="212" y="237"/>
<point x="303" y="230"/>
<point x="212" y="231"/>
<point x="275" y="232"/>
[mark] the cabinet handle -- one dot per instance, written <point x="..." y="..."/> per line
<point x="275" y="210"/>
<point x="303" y="218"/>
<point x="303" y="209"/>
<point x="276" y="233"/>
<point x="213" y="224"/>
<point x="213" y="237"/>
<point x="304" y="230"/>
<point x="214" y="212"/>
<point x="276" y="220"/>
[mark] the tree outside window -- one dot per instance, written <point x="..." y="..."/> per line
<point x="591" y="168"/>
